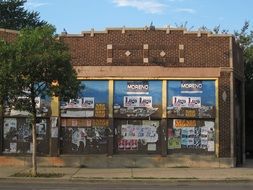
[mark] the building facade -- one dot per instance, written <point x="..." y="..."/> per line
<point x="151" y="97"/>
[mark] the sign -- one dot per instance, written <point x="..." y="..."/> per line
<point x="180" y="101"/>
<point x="138" y="101"/>
<point x="100" y="110"/>
<point x="137" y="87"/>
<point x="186" y="102"/>
<point x="88" y="102"/>
<point x="131" y="101"/>
<point x="184" y="123"/>
<point x="191" y="87"/>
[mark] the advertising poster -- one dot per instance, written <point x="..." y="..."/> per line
<point x="13" y="147"/>
<point x="137" y="99"/>
<point x="192" y="134"/>
<point x="191" y="99"/>
<point x="10" y="126"/>
<point x="147" y="133"/>
<point x="130" y="144"/>
<point x="92" y="101"/>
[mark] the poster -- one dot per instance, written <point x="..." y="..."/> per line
<point x="93" y="96"/>
<point x="131" y="101"/>
<point x="192" y="134"/>
<point x="180" y="101"/>
<point x="54" y="128"/>
<point x="137" y="99"/>
<point x="88" y="102"/>
<point x="13" y="147"/>
<point x="210" y="146"/>
<point x="147" y="133"/>
<point x="174" y="143"/>
<point x="100" y="110"/>
<point x="151" y="147"/>
<point x="41" y="129"/>
<point x="191" y="99"/>
<point x="186" y="102"/>
<point x="10" y="126"/>
<point x="127" y="144"/>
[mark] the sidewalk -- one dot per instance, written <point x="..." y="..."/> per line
<point x="146" y="174"/>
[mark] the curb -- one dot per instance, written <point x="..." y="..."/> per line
<point x="118" y="180"/>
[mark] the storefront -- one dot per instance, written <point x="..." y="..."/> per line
<point x="149" y="98"/>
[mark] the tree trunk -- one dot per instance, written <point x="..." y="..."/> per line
<point x="34" y="134"/>
<point x="34" y="151"/>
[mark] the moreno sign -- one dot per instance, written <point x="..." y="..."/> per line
<point x="137" y="87"/>
<point x="191" y="87"/>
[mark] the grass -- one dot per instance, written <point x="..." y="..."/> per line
<point x="45" y="175"/>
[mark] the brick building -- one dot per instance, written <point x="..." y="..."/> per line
<point x="151" y="97"/>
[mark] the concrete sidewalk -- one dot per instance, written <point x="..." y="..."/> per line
<point x="168" y="174"/>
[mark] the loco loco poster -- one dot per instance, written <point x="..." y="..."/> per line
<point x="191" y="99"/>
<point x="92" y="101"/>
<point x="137" y="99"/>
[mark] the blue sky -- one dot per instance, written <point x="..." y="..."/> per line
<point x="82" y="15"/>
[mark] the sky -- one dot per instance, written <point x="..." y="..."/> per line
<point x="76" y="16"/>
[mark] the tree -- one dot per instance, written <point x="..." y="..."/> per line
<point x="245" y="39"/>
<point x="40" y="60"/>
<point x="6" y="60"/>
<point x="13" y="15"/>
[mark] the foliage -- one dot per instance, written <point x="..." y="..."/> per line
<point x="41" y="59"/>
<point x="13" y="15"/>
<point x="245" y="39"/>
<point x="7" y="84"/>
<point x="37" y="61"/>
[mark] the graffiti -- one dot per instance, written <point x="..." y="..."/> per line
<point x="81" y="138"/>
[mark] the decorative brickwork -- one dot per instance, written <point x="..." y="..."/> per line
<point x="224" y="115"/>
<point x="202" y="51"/>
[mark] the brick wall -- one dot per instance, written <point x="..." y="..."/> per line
<point x="202" y="50"/>
<point x="224" y="115"/>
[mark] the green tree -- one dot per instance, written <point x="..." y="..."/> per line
<point x="6" y="86"/>
<point x="245" y="39"/>
<point x="40" y="60"/>
<point x="13" y="15"/>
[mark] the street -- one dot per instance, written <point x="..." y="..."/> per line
<point x="61" y="185"/>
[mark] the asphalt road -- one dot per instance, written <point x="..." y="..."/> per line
<point x="32" y="185"/>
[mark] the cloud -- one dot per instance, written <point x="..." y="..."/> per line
<point x="35" y="4"/>
<point x="185" y="10"/>
<point x="149" y="6"/>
